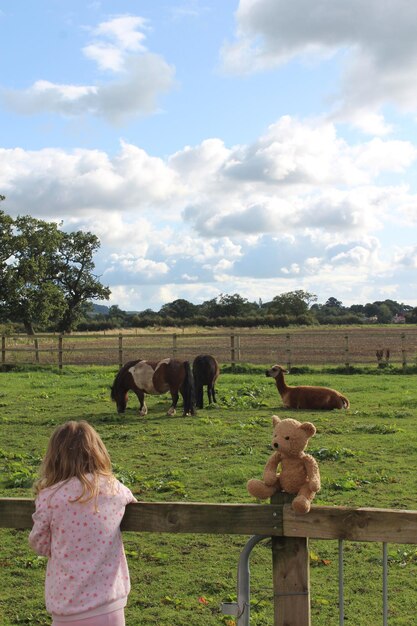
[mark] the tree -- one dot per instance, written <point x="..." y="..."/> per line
<point x="6" y="233"/>
<point x="46" y="274"/>
<point x="29" y="294"/>
<point x="233" y="306"/>
<point x="412" y="316"/>
<point x="291" y="303"/>
<point x="75" y="276"/>
<point x="179" y="309"/>
<point x="209" y="308"/>
<point x="333" y="303"/>
<point x="384" y="314"/>
<point x="384" y="310"/>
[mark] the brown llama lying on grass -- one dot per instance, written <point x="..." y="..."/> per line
<point x="305" y="396"/>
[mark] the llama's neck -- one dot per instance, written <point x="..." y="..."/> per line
<point x="280" y="383"/>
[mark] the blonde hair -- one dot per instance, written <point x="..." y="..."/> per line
<point x="75" y="450"/>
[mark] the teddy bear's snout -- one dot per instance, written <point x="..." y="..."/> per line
<point x="275" y="445"/>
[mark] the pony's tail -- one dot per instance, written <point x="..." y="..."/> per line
<point x="189" y="390"/>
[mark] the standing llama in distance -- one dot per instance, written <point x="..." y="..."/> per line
<point x="305" y="396"/>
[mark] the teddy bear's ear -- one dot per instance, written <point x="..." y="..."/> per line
<point x="275" y="420"/>
<point x="309" y="428"/>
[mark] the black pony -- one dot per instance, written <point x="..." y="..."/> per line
<point x="155" y="377"/>
<point x="206" y="371"/>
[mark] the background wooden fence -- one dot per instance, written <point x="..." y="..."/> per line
<point x="340" y="347"/>
<point x="289" y="532"/>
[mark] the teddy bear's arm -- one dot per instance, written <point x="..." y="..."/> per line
<point x="313" y="473"/>
<point x="270" y="471"/>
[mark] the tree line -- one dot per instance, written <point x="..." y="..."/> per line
<point x="47" y="283"/>
<point x="287" y="309"/>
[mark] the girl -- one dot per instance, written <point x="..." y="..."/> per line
<point x="79" y="507"/>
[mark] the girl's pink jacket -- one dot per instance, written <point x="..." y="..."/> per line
<point x="87" y="571"/>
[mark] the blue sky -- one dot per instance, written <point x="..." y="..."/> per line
<point x="218" y="146"/>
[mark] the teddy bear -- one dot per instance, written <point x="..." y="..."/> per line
<point x="299" y="474"/>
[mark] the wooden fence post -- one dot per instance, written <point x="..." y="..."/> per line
<point x="288" y="351"/>
<point x="60" y="351"/>
<point x="403" y="352"/>
<point x="120" y="350"/>
<point x="3" y="350"/>
<point x="174" y="345"/>
<point x="291" y="576"/>
<point x="232" y="351"/>
<point x="36" y="342"/>
<point x="347" y="364"/>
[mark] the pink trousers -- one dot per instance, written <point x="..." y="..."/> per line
<point x="115" y="618"/>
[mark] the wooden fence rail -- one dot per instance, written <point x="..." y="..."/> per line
<point x="381" y="346"/>
<point x="289" y="532"/>
<point x="276" y="520"/>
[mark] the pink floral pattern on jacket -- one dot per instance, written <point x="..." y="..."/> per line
<point x="87" y="566"/>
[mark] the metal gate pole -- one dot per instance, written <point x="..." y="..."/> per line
<point x="241" y="608"/>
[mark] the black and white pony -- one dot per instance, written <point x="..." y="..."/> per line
<point x="155" y="377"/>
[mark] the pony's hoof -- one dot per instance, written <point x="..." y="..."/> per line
<point x="171" y="412"/>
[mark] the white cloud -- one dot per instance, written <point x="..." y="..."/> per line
<point x="377" y="39"/>
<point x="115" y="231"/>
<point x="370" y="122"/>
<point x="297" y="208"/>
<point x="293" y="152"/>
<point x="296" y="176"/>
<point x="140" y="77"/>
<point x="56" y="182"/>
<point x="202" y="164"/>
<point x="140" y="266"/>
<point x="294" y="269"/>
<point x="124" y="31"/>
<point x="378" y="156"/>
<point x="124" y="37"/>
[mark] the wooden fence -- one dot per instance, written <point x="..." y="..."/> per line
<point x="380" y="346"/>
<point x="289" y="533"/>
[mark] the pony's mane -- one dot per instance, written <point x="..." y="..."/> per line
<point x="119" y="377"/>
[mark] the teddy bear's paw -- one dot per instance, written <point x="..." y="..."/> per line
<point x="301" y="504"/>
<point x="258" y="489"/>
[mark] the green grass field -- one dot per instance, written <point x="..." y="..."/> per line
<point x="367" y="457"/>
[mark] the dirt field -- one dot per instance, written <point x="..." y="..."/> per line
<point x="295" y="347"/>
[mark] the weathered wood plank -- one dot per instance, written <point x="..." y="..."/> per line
<point x="291" y="581"/>
<point x="16" y="512"/>
<point x="179" y="517"/>
<point x="171" y="517"/>
<point x="356" y="524"/>
<point x="290" y="575"/>
<point x="322" y="522"/>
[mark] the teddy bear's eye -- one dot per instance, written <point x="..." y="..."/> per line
<point x="286" y="438"/>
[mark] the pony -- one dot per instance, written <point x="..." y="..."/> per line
<point x="155" y="377"/>
<point x="205" y="371"/>
<point x="304" y="396"/>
